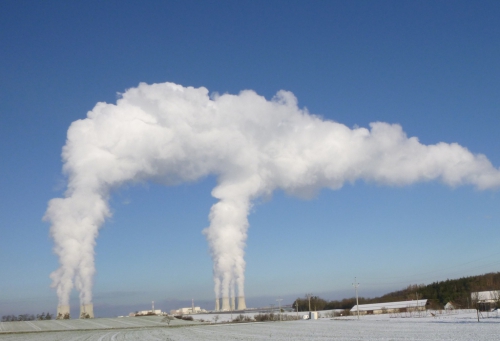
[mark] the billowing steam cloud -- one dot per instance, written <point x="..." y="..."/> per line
<point x="171" y="134"/>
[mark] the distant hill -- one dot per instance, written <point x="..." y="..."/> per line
<point x="437" y="294"/>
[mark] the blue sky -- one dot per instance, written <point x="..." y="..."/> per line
<point x="431" y="66"/>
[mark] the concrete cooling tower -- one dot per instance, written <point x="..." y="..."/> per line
<point x="63" y="312"/>
<point x="87" y="311"/>
<point x="225" y="304"/>
<point x="241" y="303"/>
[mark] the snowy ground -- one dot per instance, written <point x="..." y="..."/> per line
<point x="89" y="324"/>
<point x="459" y="326"/>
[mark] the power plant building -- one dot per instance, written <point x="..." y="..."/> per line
<point x="190" y="310"/>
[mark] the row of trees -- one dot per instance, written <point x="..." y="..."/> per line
<point x="27" y="317"/>
<point x="318" y="303"/>
<point x="437" y="294"/>
<point x="459" y="290"/>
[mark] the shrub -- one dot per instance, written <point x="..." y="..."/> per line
<point x="264" y="317"/>
<point x="243" y="318"/>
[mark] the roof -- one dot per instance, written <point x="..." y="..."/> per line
<point x="390" y="305"/>
<point x="449" y="305"/>
<point x="492" y="295"/>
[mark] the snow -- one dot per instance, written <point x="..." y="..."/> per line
<point x="459" y="326"/>
<point x="390" y="305"/>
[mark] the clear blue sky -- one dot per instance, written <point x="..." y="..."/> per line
<point x="431" y="66"/>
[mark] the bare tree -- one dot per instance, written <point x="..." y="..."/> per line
<point x="495" y="295"/>
<point x="474" y="297"/>
<point x="167" y="319"/>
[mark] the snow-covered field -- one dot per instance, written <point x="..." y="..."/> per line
<point x="460" y="326"/>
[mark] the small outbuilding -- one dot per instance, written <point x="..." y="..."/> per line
<point x="449" y="306"/>
<point x="486" y="300"/>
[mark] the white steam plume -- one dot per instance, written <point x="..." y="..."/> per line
<point x="172" y="134"/>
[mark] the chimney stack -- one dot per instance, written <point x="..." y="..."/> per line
<point x="233" y="305"/>
<point x="217" y="308"/>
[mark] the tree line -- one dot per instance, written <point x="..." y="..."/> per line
<point x="438" y="294"/>
<point x="27" y="317"/>
<point x="459" y="290"/>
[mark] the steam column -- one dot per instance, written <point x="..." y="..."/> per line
<point x="217" y="308"/>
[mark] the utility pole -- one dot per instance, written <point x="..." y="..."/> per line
<point x="418" y="310"/>
<point x="309" y="298"/>
<point x="356" y="285"/>
<point x="231" y="307"/>
<point x="279" y="305"/>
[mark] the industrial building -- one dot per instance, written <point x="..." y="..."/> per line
<point x="389" y="307"/>
<point x="190" y="310"/>
<point x="147" y="312"/>
<point x="153" y="311"/>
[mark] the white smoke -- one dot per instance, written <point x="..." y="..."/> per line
<point x="172" y="134"/>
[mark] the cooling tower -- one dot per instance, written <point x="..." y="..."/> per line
<point x="63" y="312"/>
<point x="225" y="304"/>
<point x="233" y="305"/>
<point x="217" y="308"/>
<point x="241" y="303"/>
<point x="87" y="311"/>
